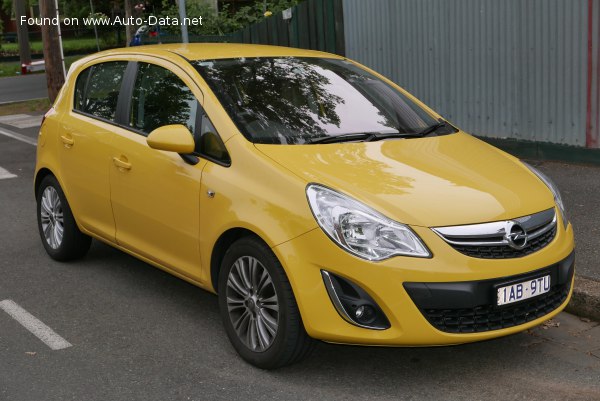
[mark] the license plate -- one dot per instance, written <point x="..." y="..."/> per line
<point x="524" y="290"/>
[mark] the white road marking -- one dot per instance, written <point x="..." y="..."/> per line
<point x="22" y="120"/>
<point x="18" y="137"/>
<point x="5" y="174"/>
<point x="34" y="325"/>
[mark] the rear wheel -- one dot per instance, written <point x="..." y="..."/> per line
<point x="258" y="307"/>
<point x="58" y="230"/>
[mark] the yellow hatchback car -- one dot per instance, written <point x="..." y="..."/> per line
<point x="318" y="199"/>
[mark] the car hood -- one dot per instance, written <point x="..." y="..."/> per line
<point x="437" y="181"/>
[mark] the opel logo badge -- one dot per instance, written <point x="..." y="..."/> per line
<point x="516" y="236"/>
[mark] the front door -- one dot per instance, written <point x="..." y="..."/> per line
<point x="155" y="194"/>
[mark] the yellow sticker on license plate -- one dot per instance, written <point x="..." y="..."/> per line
<point x="524" y="290"/>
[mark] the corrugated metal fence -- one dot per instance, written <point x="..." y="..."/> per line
<point x="313" y="24"/>
<point x="523" y="69"/>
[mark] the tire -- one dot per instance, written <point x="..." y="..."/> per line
<point x="271" y="335"/>
<point x="58" y="230"/>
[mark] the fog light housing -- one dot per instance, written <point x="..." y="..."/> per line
<point x="353" y="303"/>
<point x="365" y="314"/>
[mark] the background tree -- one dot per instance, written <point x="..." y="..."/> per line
<point x="22" y="32"/>
<point x="224" y="20"/>
<point x="55" y="75"/>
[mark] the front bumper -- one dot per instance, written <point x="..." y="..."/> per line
<point x="470" y="306"/>
<point x="396" y="285"/>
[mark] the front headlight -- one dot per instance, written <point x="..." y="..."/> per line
<point x="554" y="189"/>
<point x="361" y="230"/>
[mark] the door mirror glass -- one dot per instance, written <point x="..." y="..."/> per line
<point x="172" y="138"/>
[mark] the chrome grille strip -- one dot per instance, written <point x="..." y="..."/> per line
<point x="495" y="233"/>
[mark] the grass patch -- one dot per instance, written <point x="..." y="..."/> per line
<point x="70" y="45"/>
<point x="27" y="106"/>
<point x="10" y="69"/>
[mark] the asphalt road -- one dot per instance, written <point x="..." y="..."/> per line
<point x="138" y="333"/>
<point x="26" y="87"/>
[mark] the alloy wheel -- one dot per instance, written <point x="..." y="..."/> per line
<point x="252" y="303"/>
<point x="51" y="213"/>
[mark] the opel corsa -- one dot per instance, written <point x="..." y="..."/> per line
<point x="317" y="198"/>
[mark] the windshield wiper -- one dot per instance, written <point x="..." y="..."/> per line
<point x="357" y="136"/>
<point x="377" y="136"/>
<point x="436" y="127"/>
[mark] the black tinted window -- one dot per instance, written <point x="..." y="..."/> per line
<point x="293" y="100"/>
<point x="82" y="80"/>
<point x="102" y="89"/>
<point x="161" y="98"/>
<point x="211" y="145"/>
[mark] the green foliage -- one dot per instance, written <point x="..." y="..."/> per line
<point x="6" y="6"/>
<point x="224" y="21"/>
<point x="75" y="9"/>
<point x="252" y="14"/>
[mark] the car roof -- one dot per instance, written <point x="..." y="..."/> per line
<point x="210" y="51"/>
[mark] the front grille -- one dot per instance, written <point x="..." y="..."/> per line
<point x="491" y="317"/>
<point x="504" y="251"/>
<point x="502" y="239"/>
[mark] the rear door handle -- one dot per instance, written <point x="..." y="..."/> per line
<point x="122" y="165"/>
<point x="67" y="140"/>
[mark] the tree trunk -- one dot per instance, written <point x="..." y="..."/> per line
<point x="22" y="32"/>
<point x="129" y="28"/>
<point x="55" y="76"/>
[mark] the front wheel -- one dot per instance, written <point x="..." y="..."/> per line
<point x="258" y="307"/>
<point x="58" y="230"/>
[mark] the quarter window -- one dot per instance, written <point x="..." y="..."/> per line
<point x="82" y="81"/>
<point x="161" y="98"/>
<point x="211" y="145"/>
<point x="97" y="89"/>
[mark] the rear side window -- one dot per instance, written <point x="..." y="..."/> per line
<point x="161" y="98"/>
<point x="97" y="89"/>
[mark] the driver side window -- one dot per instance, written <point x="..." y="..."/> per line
<point x="161" y="98"/>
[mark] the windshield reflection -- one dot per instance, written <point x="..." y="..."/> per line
<point x="295" y="100"/>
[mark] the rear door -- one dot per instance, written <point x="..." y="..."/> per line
<point x="155" y="194"/>
<point x="86" y="133"/>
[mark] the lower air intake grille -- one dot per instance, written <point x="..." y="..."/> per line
<point x="471" y="306"/>
<point x="489" y="317"/>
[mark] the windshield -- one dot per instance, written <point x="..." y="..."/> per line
<point x="289" y="100"/>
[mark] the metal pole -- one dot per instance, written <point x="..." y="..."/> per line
<point x="184" y="31"/>
<point x="62" y="53"/>
<point x="95" y="28"/>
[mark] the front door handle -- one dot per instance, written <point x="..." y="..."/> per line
<point x="67" y="140"/>
<point x="121" y="164"/>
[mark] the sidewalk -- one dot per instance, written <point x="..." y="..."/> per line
<point x="580" y="188"/>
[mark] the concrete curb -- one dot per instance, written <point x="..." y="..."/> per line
<point x="585" y="301"/>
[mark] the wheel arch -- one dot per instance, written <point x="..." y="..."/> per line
<point x="222" y="245"/>
<point x="39" y="176"/>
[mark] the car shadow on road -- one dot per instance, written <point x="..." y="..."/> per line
<point x="486" y="369"/>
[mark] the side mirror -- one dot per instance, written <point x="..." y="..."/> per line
<point x="172" y="138"/>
